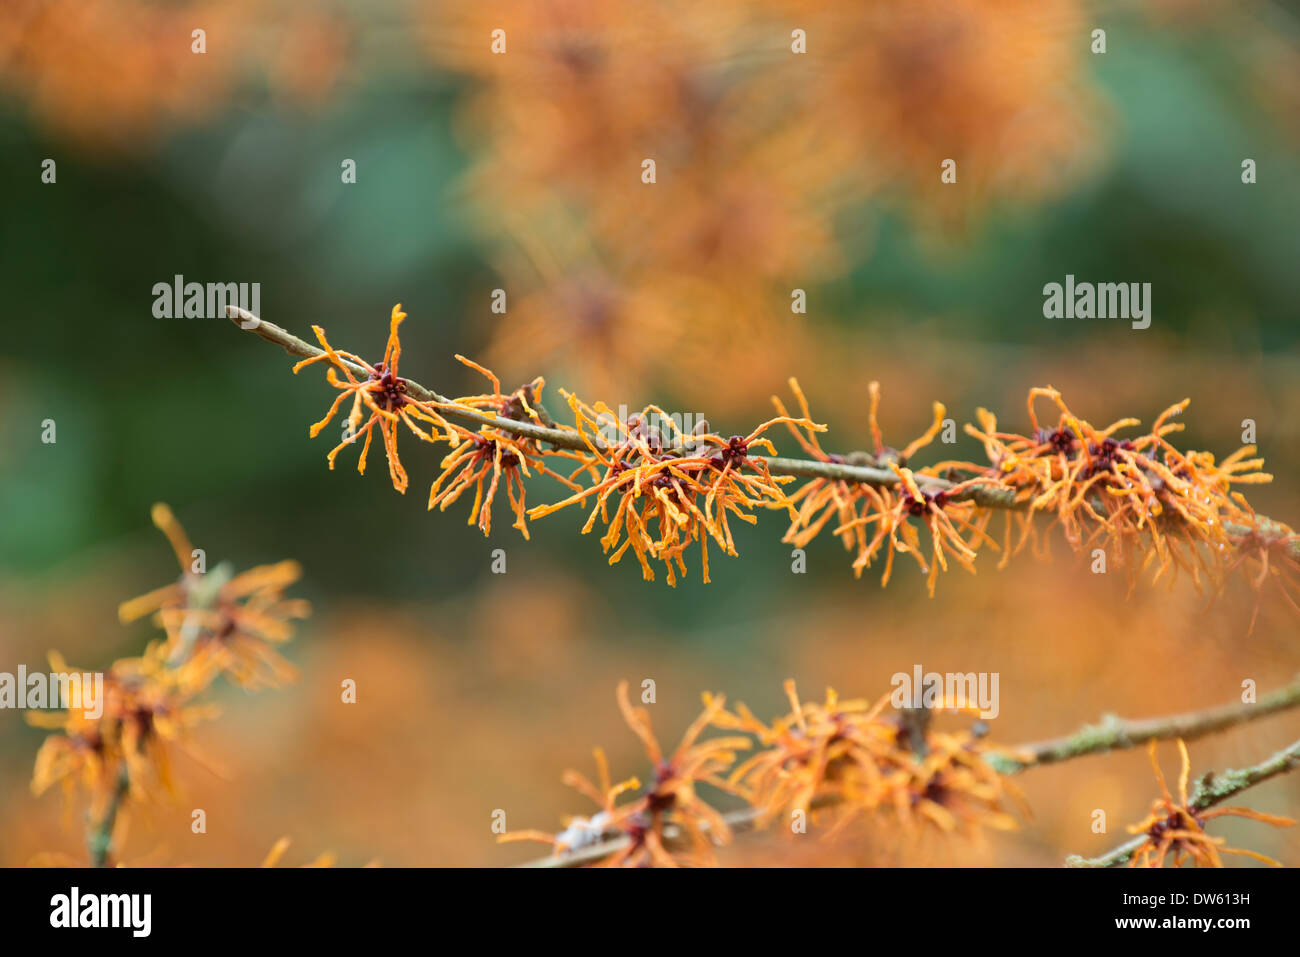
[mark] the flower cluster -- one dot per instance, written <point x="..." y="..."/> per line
<point x="838" y="759"/>
<point x="657" y="494"/>
<point x="491" y="454"/>
<point x="666" y="822"/>
<point x="1140" y="498"/>
<point x="852" y="758"/>
<point x="145" y="716"/>
<point x="887" y="512"/>
<point x="672" y="491"/>
<point x="836" y="762"/>
<point x="216" y="622"/>
<point x="658" y="490"/>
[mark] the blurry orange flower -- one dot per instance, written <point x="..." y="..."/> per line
<point x="144" y="715"/>
<point x="118" y="749"/>
<point x="667" y="824"/>
<point x="221" y="622"/>
<point x="116" y="73"/>
<point x="847" y="758"/>
<point x="274" y="855"/>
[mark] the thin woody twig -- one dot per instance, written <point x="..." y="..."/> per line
<point x="1211" y="789"/>
<point x="467" y="417"/>
<point x="1115" y="733"/>
<point x="99" y="840"/>
<point x="560" y="438"/>
<point x="740" y="821"/>
<point x="568" y="439"/>
<point x="1112" y="734"/>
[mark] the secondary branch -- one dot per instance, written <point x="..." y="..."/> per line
<point x="1112" y="734"/>
<point x="1211" y="789"/>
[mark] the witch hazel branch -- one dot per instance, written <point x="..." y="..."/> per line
<point x="664" y="495"/>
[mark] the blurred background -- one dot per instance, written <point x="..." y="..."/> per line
<point x="775" y="171"/>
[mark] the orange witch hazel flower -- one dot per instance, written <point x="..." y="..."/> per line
<point x="383" y="394"/>
<point x="490" y="454"/>
<point x="890" y="510"/>
<point x="118" y="750"/>
<point x="1175" y="829"/>
<point x="1268" y="551"/>
<point x="74" y="758"/>
<point x="952" y="787"/>
<point x="673" y="490"/>
<point x="945" y="516"/>
<point x="667" y="824"/>
<point x="128" y="745"/>
<point x="815" y="754"/>
<point x="217" y="622"/>
<point x="846" y="758"/>
<point x="221" y="622"/>
<point x="839" y="759"/>
<point x="1136" y="494"/>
